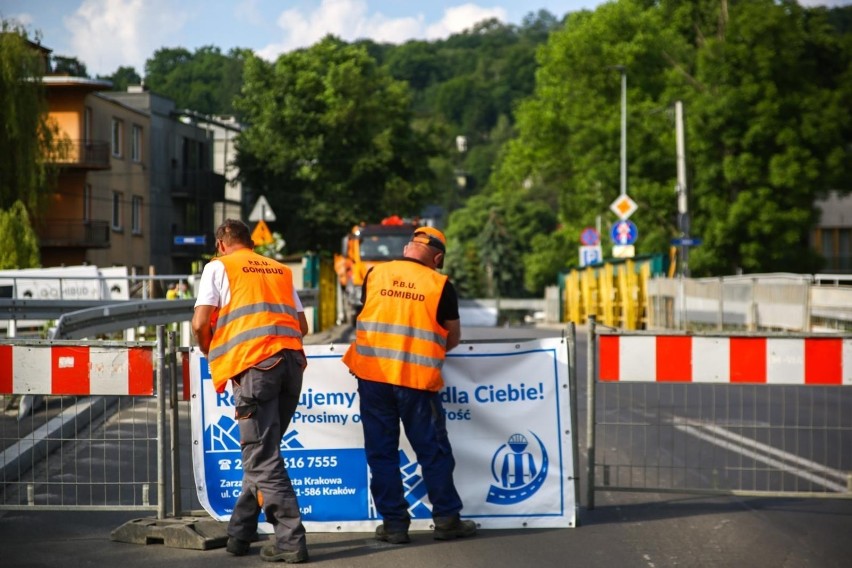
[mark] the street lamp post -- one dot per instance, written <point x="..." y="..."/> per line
<point x="623" y="71"/>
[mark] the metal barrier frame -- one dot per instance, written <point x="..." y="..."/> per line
<point x="159" y="393"/>
<point x="592" y="380"/>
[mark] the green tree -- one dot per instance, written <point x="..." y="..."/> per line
<point x="123" y="77"/>
<point x="27" y="138"/>
<point x="21" y="251"/>
<point x="205" y="81"/>
<point x="766" y="90"/>
<point x="770" y="127"/>
<point x="71" y="66"/>
<point x="330" y="141"/>
<point x="488" y="239"/>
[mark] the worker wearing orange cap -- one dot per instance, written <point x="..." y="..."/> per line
<point x="409" y="321"/>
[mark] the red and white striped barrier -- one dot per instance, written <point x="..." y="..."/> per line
<point x="76" y="370"/>
<point x="700" y="359"/>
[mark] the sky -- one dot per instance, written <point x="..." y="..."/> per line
<point x="108" y="34"/>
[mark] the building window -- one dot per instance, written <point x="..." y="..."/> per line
<point x="117" y="127"/>
<point x="844" y="250"/>
<point x="87" y="202"/>
<point x="87" y="126"/>
<point x="136" y="215"/>
<point x="136" y="144"/>
<point x="116" y="210"/>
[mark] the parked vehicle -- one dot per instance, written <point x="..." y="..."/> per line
<point x="364" y="247"/>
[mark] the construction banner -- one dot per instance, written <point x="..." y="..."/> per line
<point x="509" y="421"/>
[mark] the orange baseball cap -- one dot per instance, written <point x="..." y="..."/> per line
<point x="430" y="236"/>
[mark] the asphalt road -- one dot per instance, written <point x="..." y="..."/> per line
<point x="624" y="530"/>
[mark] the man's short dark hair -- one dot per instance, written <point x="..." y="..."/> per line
<point x="234" y="231"/>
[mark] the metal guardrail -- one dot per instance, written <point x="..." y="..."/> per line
<point x="120" y="316"/>
<point x="87" y="318"/>
<point x="790" y="302"/>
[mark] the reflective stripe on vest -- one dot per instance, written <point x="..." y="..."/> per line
<point x="398" y="339"/>
<point x="404" y="356"/>
<point x="409" y="331"/>
<point x="259" y="321"/>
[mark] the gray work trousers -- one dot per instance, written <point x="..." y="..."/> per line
<point x="265" y="397"/>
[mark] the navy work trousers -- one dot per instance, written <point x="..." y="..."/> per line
<point x="383" y="406"/>
<point x="266" y="397"/>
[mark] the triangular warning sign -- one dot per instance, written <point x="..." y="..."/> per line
<point x="261" y="234"/>
<point x="262" y="211"/>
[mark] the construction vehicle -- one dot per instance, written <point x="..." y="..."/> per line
<point x="364" y="247"/>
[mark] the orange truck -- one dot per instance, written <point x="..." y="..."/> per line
<point x="362" y="248"/>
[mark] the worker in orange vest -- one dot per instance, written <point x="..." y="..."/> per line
<point x="409" y="321"/>
<point x="257" y="345"/>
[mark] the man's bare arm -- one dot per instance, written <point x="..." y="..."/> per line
<point x="201" y="327"/>
<point x="454" y="337"/>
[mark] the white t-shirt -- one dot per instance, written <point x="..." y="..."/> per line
<point x="215" y="290"/>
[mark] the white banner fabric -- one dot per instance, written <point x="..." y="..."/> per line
<point x="508" y="418"/>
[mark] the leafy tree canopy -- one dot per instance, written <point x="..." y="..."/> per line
<point x="69" y="66"/>
<point x="766" y="88"/>
<point x="27" y="139"/>
<point x="205" y="81"/>
<point x="123" y="78"/>
<point x="21" y="251"/>
<point x="330" y="142"/>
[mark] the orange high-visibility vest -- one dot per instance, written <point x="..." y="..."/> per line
<point x="259" y="321"/>
<point x="398" y="339"/>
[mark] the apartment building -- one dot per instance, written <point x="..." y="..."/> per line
<point x="225" y="130"/>
<point x="100" y="211"/>
<point x="832" y="237"/>
<point x="136" y="186"/>
<point x="184" y="186"/>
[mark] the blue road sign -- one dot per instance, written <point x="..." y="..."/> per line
<point x="686" y="242"/>
<point x="190" y="240"/>
<point x="624" y="233"/>
<point x="590" y="255"/>
<point x="590" y="237"/>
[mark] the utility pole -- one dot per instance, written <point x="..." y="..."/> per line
<point x="681" y="189"/>
<point x="623" y="71"/>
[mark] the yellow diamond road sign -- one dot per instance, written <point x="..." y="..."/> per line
<point x="261" y="234"/>
<point x="623" y="207"/>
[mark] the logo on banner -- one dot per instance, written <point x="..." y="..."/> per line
<point x="518" y="469"/>
<point x="224" y="435"/>
<point x="414" y="488"/>
<point x="289" y="441"/>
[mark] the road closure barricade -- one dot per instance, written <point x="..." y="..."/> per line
<point x="89" y="430"/>
<point x="125" y="429"/>
<point x="719" y="414"/>
<point x="510" y="414"/>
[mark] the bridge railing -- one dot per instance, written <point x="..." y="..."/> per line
<point x="633" y="295"/>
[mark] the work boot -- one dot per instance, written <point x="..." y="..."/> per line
<point x="271" y="553"/>
<point x="449" y="528"/>
<point x="237" y="546"/>
<point x="394" y="537"/>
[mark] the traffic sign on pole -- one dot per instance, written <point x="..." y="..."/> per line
<point x="261" y="234"/>
<point x="262" y="211"/>
<point x="590" y="255"/>
<point x="623" y="207"/>
<point x="686" y="242"/>
<point x="624" y="233"/>
<point x="590" y="237"/>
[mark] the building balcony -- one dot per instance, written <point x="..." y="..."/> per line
<point x="197" y="185"/>
<point x="84" y="154"/>
<point x="74" y="233"/>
